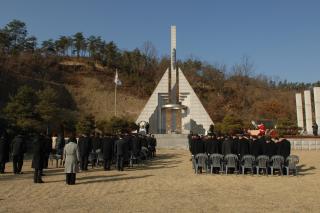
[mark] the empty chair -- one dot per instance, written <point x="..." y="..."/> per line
<point x="231" y="161"/>
<point x="134" y="160"/>
<point x="100" y="158"/>
<point x="277" y="162"/>
<point x="216" y="161"/>
<point x="92" y="158"/>
<point x="201" y="162"/>
<point x="247" y="162"/>
<point x="291" y="165"/>
<point x="262" y="162"/>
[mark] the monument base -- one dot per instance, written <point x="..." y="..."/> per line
<point x="174" y="141"/>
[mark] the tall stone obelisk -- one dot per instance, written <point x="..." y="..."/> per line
<point x="173" y="85"/>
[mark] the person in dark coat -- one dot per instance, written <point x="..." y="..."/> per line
<point x="85" y="146"/>
<point x="255" y="147"/>
<point x="119" y="150"/>
<point x="243" y="146"/>
<point x="285" y="148"/>
<point x="315" y="129"/>
<point x="234" y="145"/>
<point x="107" y="150"/>
<point x="269" y="147"/>
<point x="47" y="150"/>
<point x="18" y="149"/>
<point x="227" y="146"/>
<point x="4" y="150"/>
<point x="136" y="145"/>
<point x="199" y="145"/>
<point x="39" y="154"/>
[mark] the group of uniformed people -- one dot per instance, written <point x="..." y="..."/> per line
<point x="239" y="145"/>
<point x="85" y="149"/>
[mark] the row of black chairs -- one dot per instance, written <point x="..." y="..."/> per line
<point x="247" y="162"/>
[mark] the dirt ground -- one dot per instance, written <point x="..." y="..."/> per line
<point x="164" y="184"/>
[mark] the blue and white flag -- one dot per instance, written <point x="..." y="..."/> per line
<point x="117" y="80"/>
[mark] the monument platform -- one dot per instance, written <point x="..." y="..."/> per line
<point x="174" y="141"/>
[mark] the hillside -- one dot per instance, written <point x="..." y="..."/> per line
<point x="81" y="70"/>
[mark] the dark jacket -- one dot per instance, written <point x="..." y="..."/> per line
<point x="243" y="147"/>
<point x="48" y="145"/>
<point x="119" y="147"/>
<point x="269" y="148"/>
<point x="96" y="143"/>
<point x="255" y="148"/>
<point x="136" y="146"/>
<point x="39" y="147"/>
<point x="199" y="146"/>
<point x="4" y="148"/>
<point x="18" y="146"/>
<point x="285" y="148"/>
<point x="85" y="146"/>
<point x="107" y="147"/>
<point x="227" y="146"/>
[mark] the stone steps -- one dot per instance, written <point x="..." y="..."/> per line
<point x="175" y="141"/>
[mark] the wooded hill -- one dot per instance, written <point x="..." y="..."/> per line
<point x="81" y="70"/>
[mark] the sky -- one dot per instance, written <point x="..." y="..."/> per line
<point x="281" y="37"/>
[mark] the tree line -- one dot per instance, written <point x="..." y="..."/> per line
<point x="223" y="91"/>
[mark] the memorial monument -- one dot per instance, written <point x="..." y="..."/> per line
<point x="173" y="106"/>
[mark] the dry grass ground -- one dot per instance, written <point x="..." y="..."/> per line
<point x="165" y="184"/>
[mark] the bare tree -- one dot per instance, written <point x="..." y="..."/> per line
<point x="244" y="68"/>
<point x="149" y="50"/>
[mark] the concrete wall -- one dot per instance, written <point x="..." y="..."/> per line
<point x="299" y="110"/>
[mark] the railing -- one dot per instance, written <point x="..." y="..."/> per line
<point x="304" y="143"/>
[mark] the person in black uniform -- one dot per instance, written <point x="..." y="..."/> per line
<point x="39" y="155"/>
<point x="243" y="146"/>
<point x="255" y="146"/>
<point x="269" y="147"/>
<point x="47" y="149"/>
<point x="4" y="150"/>
<point x="315" y="129"/>
<point x="107" y="148"/>
<point x="227" y="146"/>
<point x="119" y="150"/>
<point x="85" y="146"/>
<point x="18" y="149"/>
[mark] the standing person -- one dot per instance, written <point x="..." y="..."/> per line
<point x="18" y="149"/>
<point x="315" y="129"/>
<point x="47" y="150"/>
<point x="39" y="146"/>
<point x="59" y="148"/>
<point x="119" y="150"/>
<point x="85" y="147"/>
<point x="4" y="150"/>
<point x="71" y="158"/>
<point x="107" y="151"/>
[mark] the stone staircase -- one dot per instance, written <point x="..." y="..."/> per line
<point x="175" y="141"/>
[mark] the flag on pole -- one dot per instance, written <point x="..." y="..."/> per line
<point x="117" y="80"/>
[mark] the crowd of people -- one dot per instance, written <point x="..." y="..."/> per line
<point x="239" y="145"/>
<point x="75" y="153"/>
